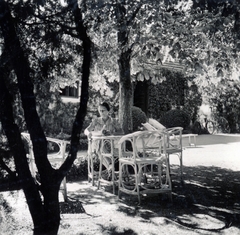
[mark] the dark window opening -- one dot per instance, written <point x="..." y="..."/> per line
<point x="70" y="91"/>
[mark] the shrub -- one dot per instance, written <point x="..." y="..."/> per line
<point x="193" y="100"/>
<point x="138" y="117"/>
<point x="196" y="128"/>
<point x="174" y="118"/>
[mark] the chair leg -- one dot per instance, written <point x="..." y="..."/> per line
<point x="91" y="173"/>
<point x="113" y="175"/>
<point x="181" y="165"/>
<point x="137" y="170"/>
<point x="91" y="168"/>
<point x="120" y="180"/>
<point x="100" y="171"/>
<point x="137" y="174"/>
<point x="169" y="181"/>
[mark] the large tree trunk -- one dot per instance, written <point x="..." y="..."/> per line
<point x="125" y="83"/>
<point x="15" y="142"/>
<point x="126" y="93"/>
<point x="19" y="64"/>
<point x="46" y="214"/>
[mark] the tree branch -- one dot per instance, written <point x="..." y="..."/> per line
<point x="129" y="21"/>
<point x="78" y="123"/>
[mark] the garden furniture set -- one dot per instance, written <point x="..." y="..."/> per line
<point x="143" y="160"/>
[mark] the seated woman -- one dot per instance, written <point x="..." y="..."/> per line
<point x="103" y="125"/>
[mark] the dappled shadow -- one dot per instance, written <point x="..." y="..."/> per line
<point x="72" y="206"/>
<point x="113" y="230"/>
<point x="208" y="201"/>
<point x="83" y="191"/>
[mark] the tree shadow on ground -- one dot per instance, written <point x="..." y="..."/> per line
<point x="115" y="230"/>
<point x="73" y="206"/>
<point x="209" y="200"/>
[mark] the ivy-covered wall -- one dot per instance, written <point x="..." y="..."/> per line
<point x="175" y="92"/>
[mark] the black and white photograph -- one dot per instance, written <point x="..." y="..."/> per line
<point x="119" y="117"/>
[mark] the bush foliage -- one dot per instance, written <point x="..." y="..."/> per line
<point x="175" y="118"/>
<point x="138" y="117"/>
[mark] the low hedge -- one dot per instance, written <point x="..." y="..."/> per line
<point x="138" y="117"/>
<point x="175" y="118"/>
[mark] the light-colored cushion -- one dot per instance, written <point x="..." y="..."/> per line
<point x="149" y="127"/>
<point x="156" y="124"/>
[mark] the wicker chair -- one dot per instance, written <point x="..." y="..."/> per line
<point x="143" y="165"/>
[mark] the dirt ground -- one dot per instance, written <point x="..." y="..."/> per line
<point x="207" y="203"/>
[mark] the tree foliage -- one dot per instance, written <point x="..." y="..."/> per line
<point x="139" y="117"/>
<point x="46" y="45"/>
<point x="225" y="102"/>
<point x="201" y="35"/>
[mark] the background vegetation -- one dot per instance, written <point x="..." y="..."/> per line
<point x="47" y="45"/>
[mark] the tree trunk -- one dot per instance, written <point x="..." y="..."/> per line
<point x="45" y="217"/>
<point x="126" y="93"/>
<point x="82" y="111"/>
<point x="51" y="207"/>
<point x="46" y="214"/>
<point x="16" y="145"/>
<point x="125" y="83"/>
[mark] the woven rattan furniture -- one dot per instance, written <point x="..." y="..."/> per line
<point x="143" y="164"/>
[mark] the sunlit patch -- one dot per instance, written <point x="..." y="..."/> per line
<point x="213" y="208"/>
<point x="201" y="221"/>
<point x="63" y="3"/>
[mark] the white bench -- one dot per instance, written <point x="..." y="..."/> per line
<point x="56" y="157"/>
<point x="191" y="139"/>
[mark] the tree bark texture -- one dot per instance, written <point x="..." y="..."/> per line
<point x="125" y="83"/>
<point x="126" y="93"/>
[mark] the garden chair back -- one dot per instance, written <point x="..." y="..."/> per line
<point x="143" y="167"/>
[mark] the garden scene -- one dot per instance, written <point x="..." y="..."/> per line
<point x="166" y="72"/>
